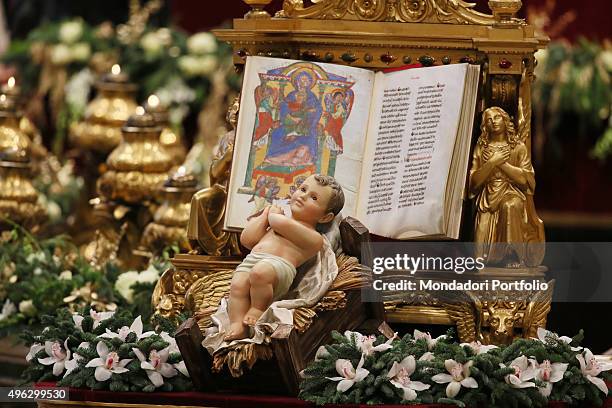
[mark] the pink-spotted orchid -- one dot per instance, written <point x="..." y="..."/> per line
<point x="459" y="376"/>
<point x="591" y="368"/>
<point x="350" y="375"/>
<point x="549" y="373"/>
<point x="156" y="366"/>
<point x="108" y="363"/>
<point x="57" y="355"/>
<point x="399" y="376"/>
<point x="523" y="372"/>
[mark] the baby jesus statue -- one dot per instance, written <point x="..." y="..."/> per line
<point x="279" y="244"/>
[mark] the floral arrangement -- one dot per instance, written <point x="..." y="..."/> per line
<point x="421" y="369"/>
<point x="105" y="350"/>
<point x="64" y="58"/>
<point x="38" y="277"/>
<point x="573" y="90"/>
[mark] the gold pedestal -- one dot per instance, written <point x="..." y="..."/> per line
<point x="490" y="316"/>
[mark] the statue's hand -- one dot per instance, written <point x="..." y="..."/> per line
<point x="499" y="157"/>
<point x="275" y="209"/>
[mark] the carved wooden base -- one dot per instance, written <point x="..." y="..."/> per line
<point x="492" y="315"/>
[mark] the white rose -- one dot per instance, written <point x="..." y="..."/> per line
<point x="54" y="210"/>
<point x="61" y="54"/>
<point x="124" y="283"/>
<point x="149" y="275"/>
<point x="606" y="58"/>
<point x="202" y="43"/>
<point x="81" y="51"/>
<point x="27" y="308"/>
<point x="207" y="65"/>
<point x="9" y="270"/>
<point x="150" y="43"/>
<point x="189" y="65"/>
<point x="71" y="31"/>
<point x="65" y="275"/>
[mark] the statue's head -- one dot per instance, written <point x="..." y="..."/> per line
<point x="317" y="200"/>
<point x="496" y="120"/>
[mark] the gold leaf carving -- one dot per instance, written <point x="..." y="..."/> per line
<point x="405" y="11"/>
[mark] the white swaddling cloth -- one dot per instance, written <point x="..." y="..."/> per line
<point x="309" y="288"/>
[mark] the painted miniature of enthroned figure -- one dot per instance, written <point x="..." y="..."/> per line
<point x="501" y="179"/>
<point x="279" y="244"/>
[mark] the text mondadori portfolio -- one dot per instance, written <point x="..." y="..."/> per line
<point x="432" y="285"/>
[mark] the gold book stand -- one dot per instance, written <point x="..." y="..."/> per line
<point x="380" y="34"/>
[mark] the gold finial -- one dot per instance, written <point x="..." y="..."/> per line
<point x="257" y="7"/>
<point x="504" y="12"/>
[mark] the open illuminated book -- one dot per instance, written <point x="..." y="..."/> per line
<point x="398" y="142"/>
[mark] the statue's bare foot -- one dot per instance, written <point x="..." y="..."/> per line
<point x="236" y="331"/>
<point x="251" y="317"/>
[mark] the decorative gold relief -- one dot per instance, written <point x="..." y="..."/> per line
<point x="406" y="11"/>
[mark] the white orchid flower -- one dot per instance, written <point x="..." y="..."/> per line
<point x="399" y="376"/>
<point x="99" y="317"/>
<point x="591" y="368"/>
<point x="427" y="356"/>
<point x="8" y="309"/>
<point x="156" y="367"/>
<point x="173" y="348"/>
<point x="73" y="363"/>
<point x="549" y="374"/>
<point x="108" y="363"/>
<point x="123" y="332"/>
<point x="58" y="356"/>
<point x="78" y="321"/>
<point x="349" y="374"/>
<point x="479" y="348"/>
<point x="543" y="334"/>
<point x="365" y="344"/>
<point x="459" y="377"/>
<point x="34" y="349"/>
<point x="523" y="372"/>
<point x="431" y="342"/>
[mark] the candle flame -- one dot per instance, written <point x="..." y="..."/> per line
<point x="140" y="110"/>
<point x="116" y="69"/>
<point x="2" y="98"/>
<point x="11" y="82"/>
<point x="153" y="101"/>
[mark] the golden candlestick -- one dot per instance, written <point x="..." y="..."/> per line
<point x="139" y="165"/>
<point x="106" y="114"/>
<point x="13" y="142"/>
<point x="257" y="8"/>
<point x="170" y="220"/>
<point x="38" y="152"/>
<point x="169" y="138"/>
<point x="18" y="197"/>
<point x="504" y="12"/>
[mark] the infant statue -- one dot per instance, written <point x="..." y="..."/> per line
<point x="279" y="244"/>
